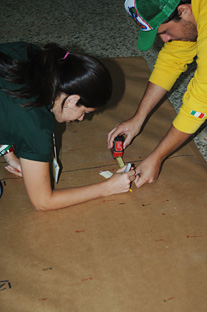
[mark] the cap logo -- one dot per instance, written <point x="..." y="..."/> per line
<point x="131" y="9"/>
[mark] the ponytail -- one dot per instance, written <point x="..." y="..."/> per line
<point x="47" y="73"/>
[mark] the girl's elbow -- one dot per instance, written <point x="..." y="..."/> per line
<point x="41" y="206"/>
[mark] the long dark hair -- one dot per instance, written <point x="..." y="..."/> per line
<point x="46" y="74"/>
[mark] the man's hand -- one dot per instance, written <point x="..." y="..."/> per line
<point x="153" y="94"/>
<point x="130" y="128"/>
<point x="147" y="171"/>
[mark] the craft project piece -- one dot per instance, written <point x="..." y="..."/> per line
<point x="133" y="252"/>
<point x="106" y="174"/>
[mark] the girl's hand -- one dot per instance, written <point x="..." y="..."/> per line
<point x="13" y="164"/>
<point x="120" y="182"/>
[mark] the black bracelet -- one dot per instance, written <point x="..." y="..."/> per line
<point x="1" y="189"/>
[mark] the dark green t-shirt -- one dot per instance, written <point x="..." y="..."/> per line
<point x="29" y="129"/>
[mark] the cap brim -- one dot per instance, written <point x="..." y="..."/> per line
<point x="146" y="39"/>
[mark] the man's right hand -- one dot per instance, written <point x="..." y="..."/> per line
<point x="130" y="128"/>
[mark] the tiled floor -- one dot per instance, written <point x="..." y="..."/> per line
<point x="100" y="28"/>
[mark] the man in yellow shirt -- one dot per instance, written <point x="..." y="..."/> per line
<point x="182" y="25"/>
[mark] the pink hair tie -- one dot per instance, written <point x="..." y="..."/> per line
<point x="66" y="55"/>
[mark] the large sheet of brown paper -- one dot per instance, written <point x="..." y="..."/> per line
<point x="144" y="250"/>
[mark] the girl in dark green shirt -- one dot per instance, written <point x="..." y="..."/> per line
<point x="36" y="85"/>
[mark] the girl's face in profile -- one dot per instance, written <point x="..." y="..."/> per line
<point x="70" y="110"/>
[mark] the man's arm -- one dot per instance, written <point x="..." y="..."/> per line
<point x="152" y="96"/>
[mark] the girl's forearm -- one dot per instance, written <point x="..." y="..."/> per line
<point x="36" y="177"/>
<point x="63" y="198"/>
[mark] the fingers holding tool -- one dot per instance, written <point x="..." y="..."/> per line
<point x="132" y="176"/>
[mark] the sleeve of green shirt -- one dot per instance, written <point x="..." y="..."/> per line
<point x="29" y="129"/>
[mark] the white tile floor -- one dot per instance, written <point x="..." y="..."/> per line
<point x="100" y="28"/>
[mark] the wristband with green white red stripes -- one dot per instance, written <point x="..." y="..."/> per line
<point x="5" y="149"/>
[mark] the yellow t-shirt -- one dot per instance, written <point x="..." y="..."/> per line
<point x="172" y="61"/>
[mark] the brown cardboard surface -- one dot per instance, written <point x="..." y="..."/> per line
<point x="140" y="251"/>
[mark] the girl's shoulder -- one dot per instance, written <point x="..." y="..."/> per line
<point x="16" y="50"/>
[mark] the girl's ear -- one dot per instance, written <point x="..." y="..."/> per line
<point x="71" y="101"/>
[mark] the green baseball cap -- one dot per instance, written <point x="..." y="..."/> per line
<point x="149" y="15"/>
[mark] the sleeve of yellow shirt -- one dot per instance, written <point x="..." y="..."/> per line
<point x="193" y="112"/>
<point x="172" y="61"/>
